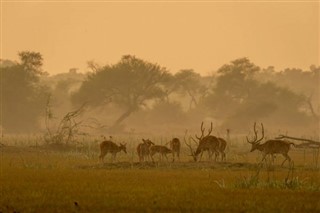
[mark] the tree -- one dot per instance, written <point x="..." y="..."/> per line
<point x="239" y="99"/>
<point x="188" y="82"/>
<point x="129" y="84"/>
<point x="233" y="85"/>
<point x="300" y="81"/>
<point x="23" y="97"/>
<point x="31" y="62"/>
<point x="166" y="112"/>
<point x="236" y="79"/>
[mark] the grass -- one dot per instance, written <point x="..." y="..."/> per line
<point x="34" y="180"/>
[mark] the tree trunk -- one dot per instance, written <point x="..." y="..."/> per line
<point x="193" y="100"/>
<point x="125" y="115"/>
<point x="314" y="114"/>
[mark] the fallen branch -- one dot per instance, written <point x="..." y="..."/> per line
<point x="309" y="144"/>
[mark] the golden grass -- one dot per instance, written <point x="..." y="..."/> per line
<point x="34" y="180"/>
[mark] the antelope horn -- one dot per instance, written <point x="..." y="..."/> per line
<point x="248" y="140"/>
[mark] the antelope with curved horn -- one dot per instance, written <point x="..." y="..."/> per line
<point x="270" y="147"/>
<point x="207" y="142"/>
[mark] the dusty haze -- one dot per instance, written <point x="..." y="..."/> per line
<point x="231" y="63"/>
<point x="195" y="35"/>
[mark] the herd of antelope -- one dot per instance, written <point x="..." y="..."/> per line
<point x="205" y="143"/>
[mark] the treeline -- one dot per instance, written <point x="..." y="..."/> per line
<point x="139" y="96"/>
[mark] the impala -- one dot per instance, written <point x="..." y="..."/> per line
<point x="111" y="147"/>
<point x="143" y="149"/>
<point x="270" y="147"/>
<point x="162" y="150"/>
<point x="175" y="147"/>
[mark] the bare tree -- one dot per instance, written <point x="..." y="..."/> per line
<point x="68" y="128"/>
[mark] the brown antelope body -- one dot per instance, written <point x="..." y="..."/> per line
<point x="143" y="149"/>
<point x="110" y="147"/>
<point x="222" y="147"/>
<point x="207" y="143"/>
<point x="175" y="147"/>
<point x="162" y="150"/>
<point x="270" y="147"/>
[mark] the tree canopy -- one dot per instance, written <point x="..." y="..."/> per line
<point x="23" y="97"/>
<point x="129" y="84"/>
<point x="238" y="98"/>
<point x="142" y="93"/>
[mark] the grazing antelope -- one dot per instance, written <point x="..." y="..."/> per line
<point x="222" y="148"/>
<point x="162" y="150"/>
<point x="143" y="149"/>
<point x="111" y="147"/>
<point x="208" y="143"/>
<point x="175" y="147"/>
<point x="270" y="147"/>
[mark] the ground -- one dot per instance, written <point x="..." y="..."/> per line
<point x="34" y="179"/>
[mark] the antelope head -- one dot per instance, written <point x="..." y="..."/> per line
<point x="147" y="142"/>
<point x="123" y="147"/>
<point x="255" y="142"/>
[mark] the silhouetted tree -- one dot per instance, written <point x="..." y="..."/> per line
<point x="31" y="62"/>
<point x="233" y="85"/>
<point x="300" y="81"/>
<point x="189" y="82"/>
<point x="128" y="84"/>
<point x="23" y="97"/>
<point x="238" y="98"/>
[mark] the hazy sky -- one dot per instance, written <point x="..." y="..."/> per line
<point x="177" y="35"/>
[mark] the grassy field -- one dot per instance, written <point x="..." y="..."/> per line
<point x="40" y="180"/>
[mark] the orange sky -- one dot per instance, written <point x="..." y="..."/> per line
<point x="178" y="35"/>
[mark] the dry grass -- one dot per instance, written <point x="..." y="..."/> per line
<point x="38" y="180"/>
